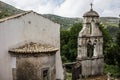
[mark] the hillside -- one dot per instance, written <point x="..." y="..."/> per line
<point x="8" y="10"/>
<point x="111" y="23"/>
<point x="65" y="22"/>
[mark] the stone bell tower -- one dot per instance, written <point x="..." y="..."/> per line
<point x="90" y="45"/>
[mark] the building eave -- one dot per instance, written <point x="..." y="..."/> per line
<point x="22" y="14"/>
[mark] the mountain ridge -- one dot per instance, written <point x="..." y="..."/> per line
<point x="65" y="22"/>
<point x="8" y="10"/>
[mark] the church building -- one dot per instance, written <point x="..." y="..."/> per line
<point x="30" y="48"/>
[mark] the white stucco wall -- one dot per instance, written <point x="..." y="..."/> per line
<point x="30" y="27"/>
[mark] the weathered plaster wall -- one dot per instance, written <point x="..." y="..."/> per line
<point x="30" y="68"/>
<point x="93" y="66"/>
<point x="30" y="27"/>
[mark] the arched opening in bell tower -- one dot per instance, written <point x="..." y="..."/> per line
<point x="90" y="49"/>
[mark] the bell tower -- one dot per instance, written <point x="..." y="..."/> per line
<point x="90" y="44"/>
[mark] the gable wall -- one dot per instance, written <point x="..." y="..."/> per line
<point x="30" y="27"/>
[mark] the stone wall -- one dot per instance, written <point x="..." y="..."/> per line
<point x="30" y="68"/>
<point x="92" y="66"/>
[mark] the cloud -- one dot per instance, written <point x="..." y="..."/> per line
<point x="76" y="8"/>
<point x="42" y="6"/>
<point x="107" y="7"/>
<point x="72" y="8"/>
<point x="68" y="8"/>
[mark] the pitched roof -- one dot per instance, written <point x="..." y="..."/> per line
<point x="34" y="48"/>
<point x="14" y="16"/>
<point x="21" y="14"/>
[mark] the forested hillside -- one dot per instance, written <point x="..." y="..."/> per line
<point x="8" y="10"/>
<point x="109" y="22"/>
<point x="65" y="22"/>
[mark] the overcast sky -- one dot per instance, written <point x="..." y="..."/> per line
<point x="68" y="8"/>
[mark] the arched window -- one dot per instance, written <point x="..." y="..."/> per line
<point x="90" y="49"/>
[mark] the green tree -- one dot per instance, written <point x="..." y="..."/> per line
<point x="108" y="46"/>
<point x="118" y="47"/>
<point x="112" y="55"/>
<point x="69" y="42"/>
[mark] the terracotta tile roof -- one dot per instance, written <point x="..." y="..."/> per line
<point x="34" y="48"/>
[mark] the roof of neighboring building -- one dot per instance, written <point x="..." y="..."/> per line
<point x="34" y="48"/>
<point x="22" y="14"/>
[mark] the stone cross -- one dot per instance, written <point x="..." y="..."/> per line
<point x="91" y="6"/>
